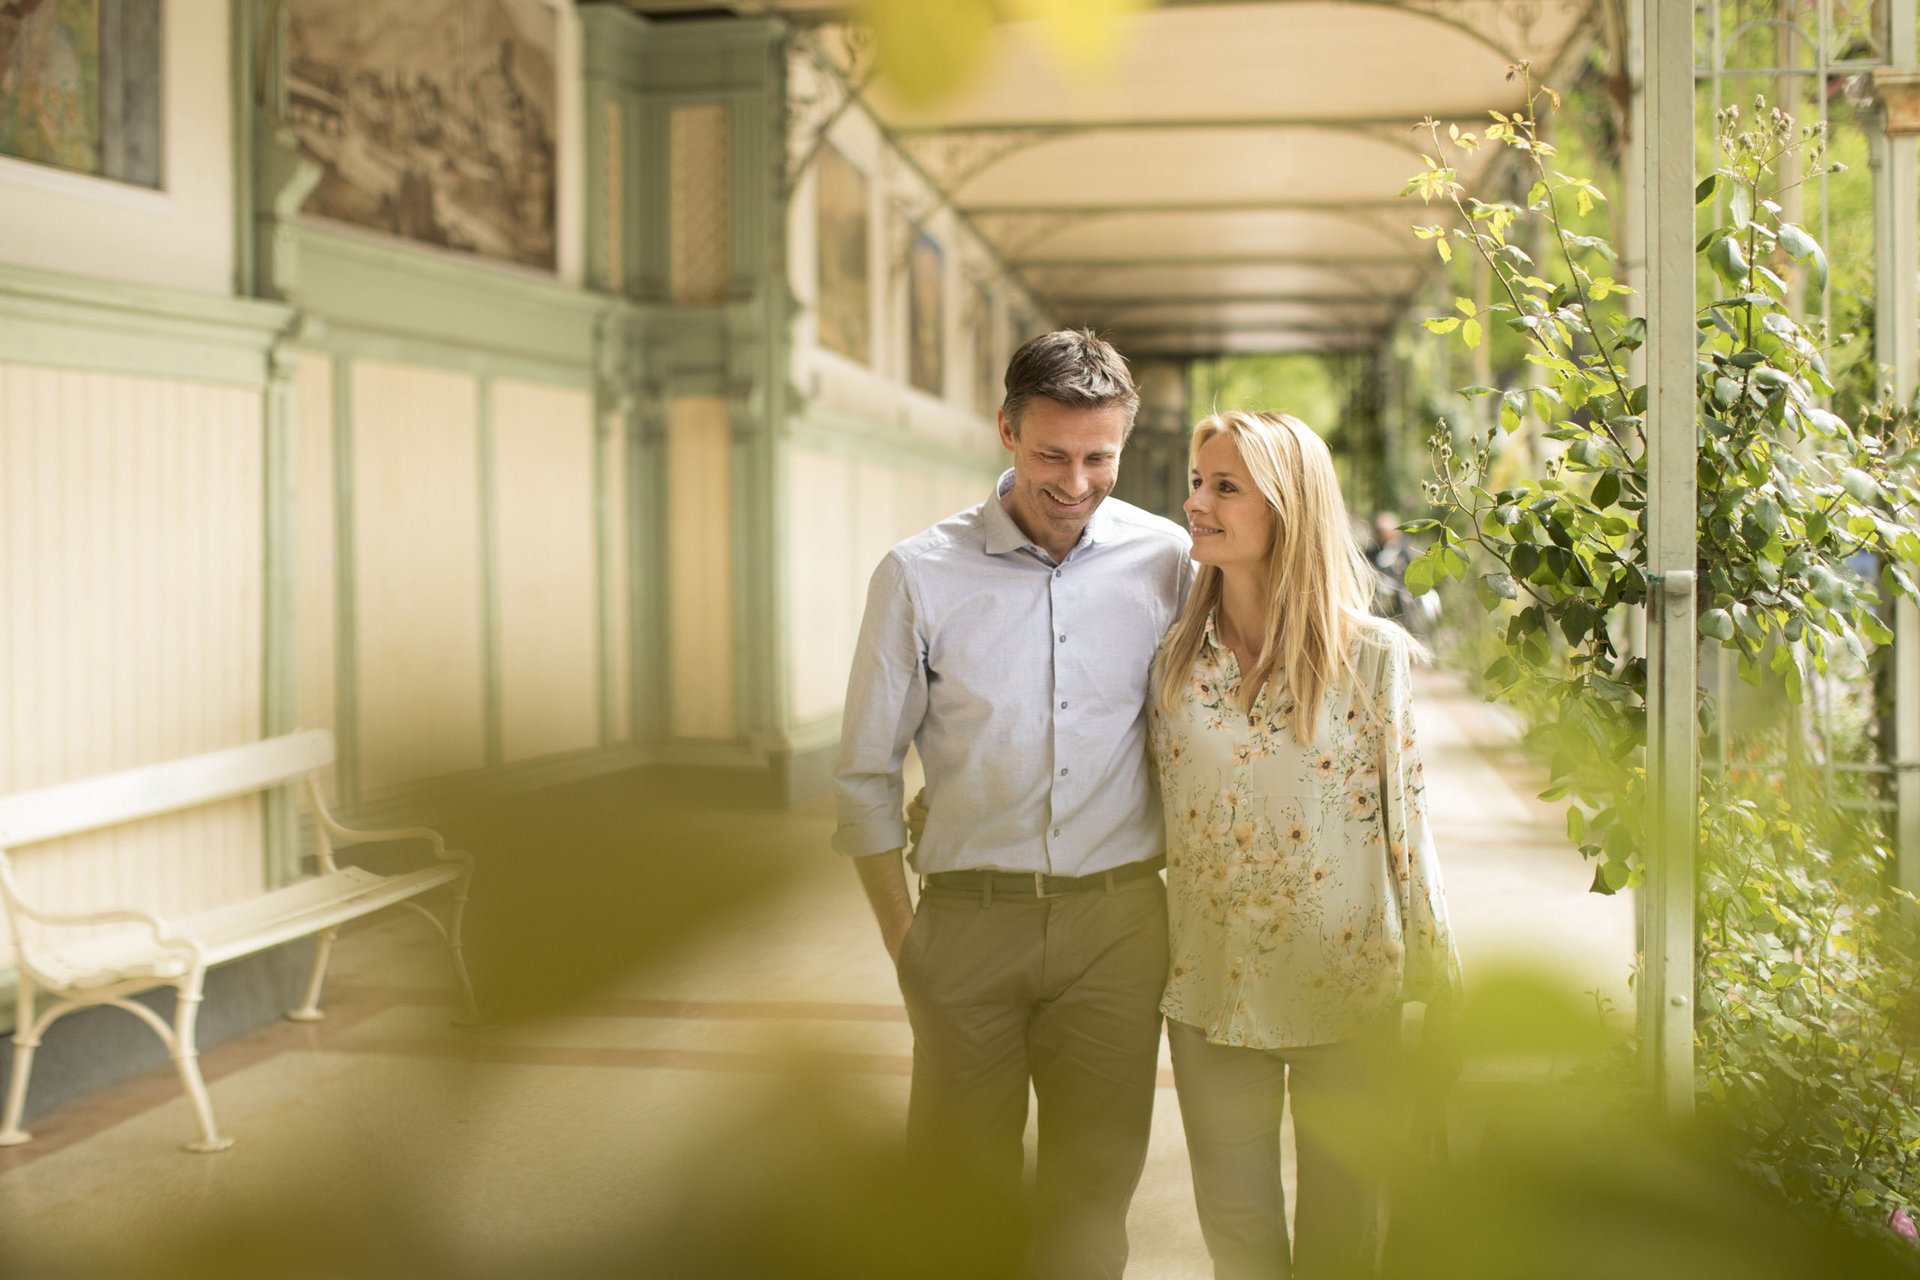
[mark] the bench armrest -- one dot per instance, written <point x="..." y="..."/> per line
<point x="80" y="919"/>
<point x="346" y="835"/>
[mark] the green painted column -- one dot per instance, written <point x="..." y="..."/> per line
<point x="1896" y="333"/>
<point x="1663" y="74"/>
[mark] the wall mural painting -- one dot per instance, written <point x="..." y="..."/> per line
<point x="846" y="294"/>
<point x="434" y="120"/>
<point x="80" y="86"/>
<point x="926" y="315"/>
<point x="987" y="380"/>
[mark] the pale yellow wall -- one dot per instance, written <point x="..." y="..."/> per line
<point x="181" y="235"/>
<point x="618" y="628"/>
<point x="700" y="569"/>
<point x="842" y="516"/>
<point x="544" y="553"/>
<point x="315" y="561"/>
<point x="130" y="619"/>
<point x="822" y="581"/>
<point x="416" y="555"/>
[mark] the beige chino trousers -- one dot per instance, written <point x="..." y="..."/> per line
<point x="1063" y="992"/>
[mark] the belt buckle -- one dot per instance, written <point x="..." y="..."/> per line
<point x="1040" y="887"/>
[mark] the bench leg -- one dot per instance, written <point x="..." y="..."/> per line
<point x="186" y="1057"/>
<point x="310" y="1010"/>
<point x="25" y="1040"/>
<point x="470" y="1014"/>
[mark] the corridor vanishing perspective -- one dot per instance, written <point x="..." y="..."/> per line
<point x="488" y="414"/>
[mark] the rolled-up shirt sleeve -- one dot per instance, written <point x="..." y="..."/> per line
<point x="1432" y="972"/>
<point x="886" y="702"/>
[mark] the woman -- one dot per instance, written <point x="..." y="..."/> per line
<point x="1305" y="902"/>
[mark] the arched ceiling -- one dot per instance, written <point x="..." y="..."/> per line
<point x="1233" y="184"/>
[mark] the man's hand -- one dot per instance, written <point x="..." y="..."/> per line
<point x="884" y="877"/>
<point x="916" y="818"/>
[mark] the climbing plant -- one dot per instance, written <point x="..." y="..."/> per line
<point x="1790" y="495"/>
<point x="1808" y="977"/>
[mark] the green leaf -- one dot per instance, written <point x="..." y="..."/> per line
<point x="1728" y="260"/>
<point x="1420" y="575"/>
<point x="1717" y="623"/>
<point x="1798" y="244"/>
<point x="1501" y="584"/>
<point x="1861" y="486"/>
<point x="1740" y="206"/>
<point x="1470" y="334"/>
<point x="1442" y="324"/>
<point x="1704" y="191"/>
<point x="1606" y="490"/>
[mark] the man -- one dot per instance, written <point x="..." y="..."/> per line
<point x="1011" y="643"/>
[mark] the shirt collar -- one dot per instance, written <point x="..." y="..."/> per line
<point x="1003" y="535"/>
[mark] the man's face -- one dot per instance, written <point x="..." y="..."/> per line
<point x="1065" y="461"/>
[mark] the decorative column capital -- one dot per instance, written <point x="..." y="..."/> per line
<point x="1896" y="92"/>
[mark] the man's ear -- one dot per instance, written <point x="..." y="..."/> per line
<point x="1008" y="441"/>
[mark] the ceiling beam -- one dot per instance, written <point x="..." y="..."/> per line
<point x="1145" y="124"/>
<point x="1412" y="262"/>
<point x="1369" y="205"/>
<point x="1134" y="302"/>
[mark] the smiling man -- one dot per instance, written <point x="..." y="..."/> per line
<point x="1011" y="644"/>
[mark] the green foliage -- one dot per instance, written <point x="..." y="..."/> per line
<point x="1809" y="1001"/>
<point x="1788" y="491"/>
<point x="1809" y="982"/>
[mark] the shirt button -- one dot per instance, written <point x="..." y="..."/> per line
<point x="1063" y="773"/>
<point x="1063" y="706"/>
<point x="1063" y="639"/>
<point x="1056" y="832"/>
<point x="1056" y="573"/>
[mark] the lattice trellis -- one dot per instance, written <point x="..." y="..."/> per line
<point x="699" y="207"/>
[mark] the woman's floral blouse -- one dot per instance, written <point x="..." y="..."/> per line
<point x="1304" y="894"/>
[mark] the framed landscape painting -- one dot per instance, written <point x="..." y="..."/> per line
<point x="80" y="86"/>
<point x="846" y="294"/>
<point x="432" y="120"/>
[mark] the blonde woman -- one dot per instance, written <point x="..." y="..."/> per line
<point x="1305" y="903"/>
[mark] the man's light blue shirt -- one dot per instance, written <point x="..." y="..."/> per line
<point x="1023" y="682"/>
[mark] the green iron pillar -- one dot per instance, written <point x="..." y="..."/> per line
<point x="1662" y="46"/>
<point x="1896" y="334"/>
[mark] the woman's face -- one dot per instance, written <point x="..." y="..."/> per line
<point x="1232" y="523"/>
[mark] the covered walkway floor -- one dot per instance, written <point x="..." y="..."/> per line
<point x="381" y="1136"/>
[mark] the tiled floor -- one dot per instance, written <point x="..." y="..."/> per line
<point x="382" y="1141"/>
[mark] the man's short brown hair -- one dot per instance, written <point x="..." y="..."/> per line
<point x="1072" y="367"/>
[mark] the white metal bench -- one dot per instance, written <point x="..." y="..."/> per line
<point x="79" y="963"/>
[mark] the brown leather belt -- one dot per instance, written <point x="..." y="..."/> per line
<point x="1037" y="884"/>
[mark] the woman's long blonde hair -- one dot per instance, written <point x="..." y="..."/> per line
<point x="1319" y="586"/>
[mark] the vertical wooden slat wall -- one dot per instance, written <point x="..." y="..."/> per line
<point x="130" y="618"/>
<point x="614" y="576"/>
<point x="419" y="622"/>
<point x="700" y="569"/>
<point x="315" y="534"/>
<point x="544" y="558"/>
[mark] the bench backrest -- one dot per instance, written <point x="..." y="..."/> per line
<point x="110" y="799"/>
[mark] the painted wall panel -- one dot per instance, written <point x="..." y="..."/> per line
<point x="545" y="558"/>
<point x="826" y="586"/>
<point x="618" y="593"/>
<point x="416" y="564"/>
<point x="700" y="569"/>
<point x="130" y="617"/>
<point x="181" y="235"/>
<point x="315" y="557"/>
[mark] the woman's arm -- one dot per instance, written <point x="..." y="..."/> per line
<point x="1432" y="965"/>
